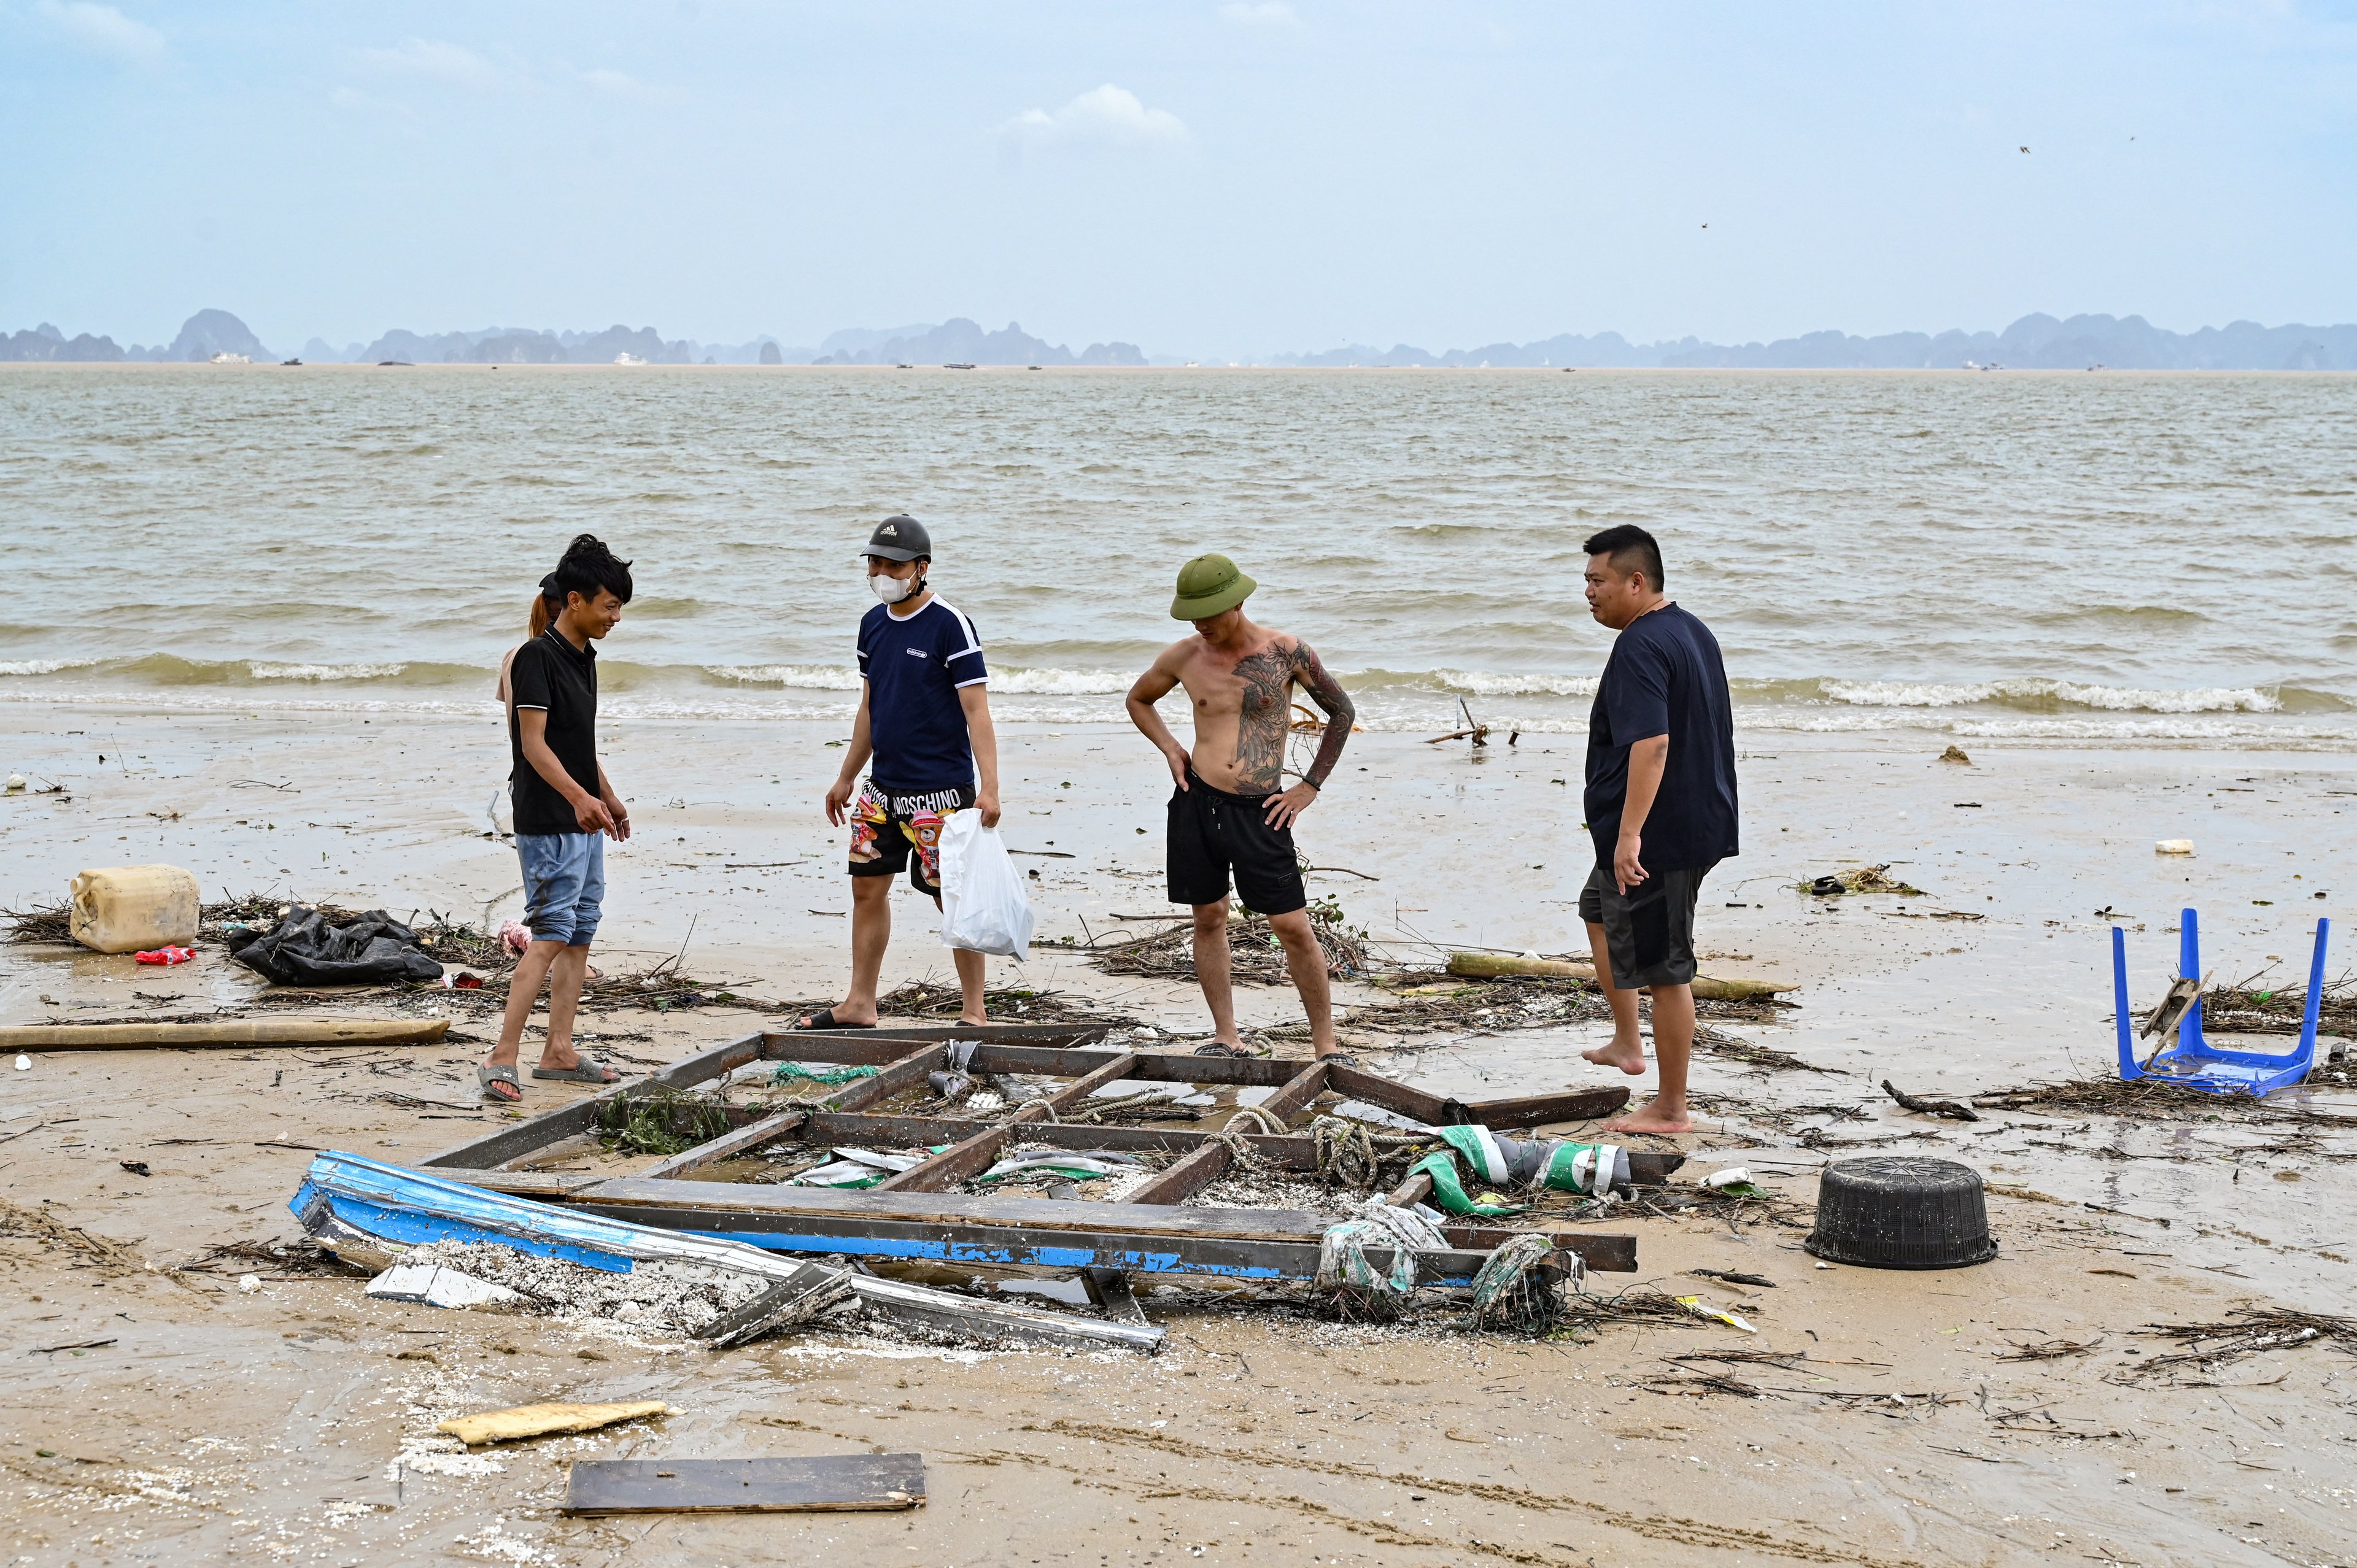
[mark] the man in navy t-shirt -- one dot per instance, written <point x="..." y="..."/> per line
<point x="1661" y="806"/>
<point x="925" y="717"/>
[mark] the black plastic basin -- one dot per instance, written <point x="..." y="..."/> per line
<point x="1902" y="1211"/>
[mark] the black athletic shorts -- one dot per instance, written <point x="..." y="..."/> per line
<point x="1212" y="831"/>
<point x="1648" y="933"/>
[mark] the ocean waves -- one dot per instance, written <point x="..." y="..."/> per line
<point x="1871" y="701"/>
<point x="844" y="678"/>
<point x="2052" y="695"/>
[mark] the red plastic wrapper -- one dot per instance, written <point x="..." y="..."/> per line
<point x="165" y="955"/>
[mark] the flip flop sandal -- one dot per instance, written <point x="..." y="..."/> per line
<point x="1342" y="1059"/>
<point x="589" y="1070"/>
<point x="506" y="1073"/>
<point x="825" y="1019"/>
<point x="1220" y="1048"/>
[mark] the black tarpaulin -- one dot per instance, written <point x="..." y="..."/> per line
<point x="303" y="949"/>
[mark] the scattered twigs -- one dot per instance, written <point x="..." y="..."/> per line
<point x="1751" y="1053"/>
<point x="1474" y="731"/>
<point x="1257" y="958"/>
<point x="42" y="923"/>
<point x="1694" y="1384"/>
<point x="1522" y="1003"/>
<point x="1734" y="1279"/>
<point x="2051" y="1349"/>
<point x="1923" y="1105"/>
<point x="673" y="961"/>
<point x="2250" y="1330"/>
<point x="2236" y="1010"/>
<point x="1858" y="879"/>
<point x="2041" y="1420"/>
<point x="15" y="1219"/>
<point x="933" y="999"/>
<point x="2149" y="1100"/>
<point x="1787" y="1360"/>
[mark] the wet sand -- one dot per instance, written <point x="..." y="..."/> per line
<point x="265" y="1424"/>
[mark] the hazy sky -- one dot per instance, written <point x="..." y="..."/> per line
<point x="1204" y="177"/>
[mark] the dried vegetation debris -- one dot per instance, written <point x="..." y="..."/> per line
<point x="2250" y="1330"/>
<point x="38" y="1224"/>
<point x="1857" y="880"/>
<point x="1256" y="957"/>
<point x="2153" y="1099"/>
<point x="658" y="1120"/>
<point x="2251" y="1010"/>
<point x="933" y="999"/>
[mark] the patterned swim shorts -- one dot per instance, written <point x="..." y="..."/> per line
<point x="886" y="827"/>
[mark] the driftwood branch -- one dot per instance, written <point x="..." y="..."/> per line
<point x="1954" y="1110"/>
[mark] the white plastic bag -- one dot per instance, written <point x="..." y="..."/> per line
<point x="983" y="906"/>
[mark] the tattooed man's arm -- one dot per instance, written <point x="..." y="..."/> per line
<point x="1328" y="694"/>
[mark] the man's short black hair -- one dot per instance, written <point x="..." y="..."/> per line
<point x="1631" y="550"/>
<point x="588" y="567"/>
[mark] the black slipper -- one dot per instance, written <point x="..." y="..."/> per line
<point x="825" y="1019"/>
<point x="1220" y="1048"/>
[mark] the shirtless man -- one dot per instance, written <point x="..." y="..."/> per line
<point x="1230" y="809"/>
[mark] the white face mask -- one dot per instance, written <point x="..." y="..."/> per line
<point x="891" y="590"/>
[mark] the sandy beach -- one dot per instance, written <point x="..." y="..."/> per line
<point x="265" y="1423"/>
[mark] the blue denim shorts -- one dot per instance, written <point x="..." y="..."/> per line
<point x="564" y="884"/>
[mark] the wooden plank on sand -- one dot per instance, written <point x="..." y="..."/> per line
<point x="832" y="1481"/>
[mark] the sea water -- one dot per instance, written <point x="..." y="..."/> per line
<point x="2088" y="557"/>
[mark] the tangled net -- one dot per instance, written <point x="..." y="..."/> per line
<point x="1520" y="1288"/>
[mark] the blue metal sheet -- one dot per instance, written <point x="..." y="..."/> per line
<point x="411" y="1207"/>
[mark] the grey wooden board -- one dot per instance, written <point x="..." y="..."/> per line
<point x="831" y="1481"/>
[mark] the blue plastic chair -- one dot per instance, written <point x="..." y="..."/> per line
<point x="2192" y="1061"/>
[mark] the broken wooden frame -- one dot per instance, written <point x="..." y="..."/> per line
<point x="910" y="1218"/>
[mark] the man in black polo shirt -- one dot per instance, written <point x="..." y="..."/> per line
<point x="1661" y="806"/>
<point x="565" y="809"/>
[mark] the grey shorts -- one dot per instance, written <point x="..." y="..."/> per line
<point x="1648" y="933"/>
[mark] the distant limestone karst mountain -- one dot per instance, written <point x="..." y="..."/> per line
<point x="959" y="341"/>
<point x="2034" y="342"/>
<point x="203" y="336"/>
<point x="211" y="332"/>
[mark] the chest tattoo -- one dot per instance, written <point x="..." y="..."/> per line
<point x="1265" y="718"/>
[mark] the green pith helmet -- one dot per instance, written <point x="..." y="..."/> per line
<point x="1208" y="586"/>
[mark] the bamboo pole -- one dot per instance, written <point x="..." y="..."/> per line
<point x="1498" y="966"/>
<point x="309" y="1031"/>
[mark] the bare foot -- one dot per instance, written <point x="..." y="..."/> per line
<point x="1652" y="1117"/>
<point x="1630" y="1058"/>
<point x="559" y="1058"/>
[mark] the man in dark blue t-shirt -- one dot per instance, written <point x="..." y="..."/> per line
<point x="925" y="717"/>
<point x="1661" y="806"/>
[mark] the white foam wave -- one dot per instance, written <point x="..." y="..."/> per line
<point x="323" y="672"/>
<point x="1063" y="682"/>
<point x="1045" y="682"/>
<point x="1484" y="683"/>
<point x="2113" y="699"/>
<point x="2145" y="729"/>
<point x="42" y="666"/>
<point x="799" y="677"/>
